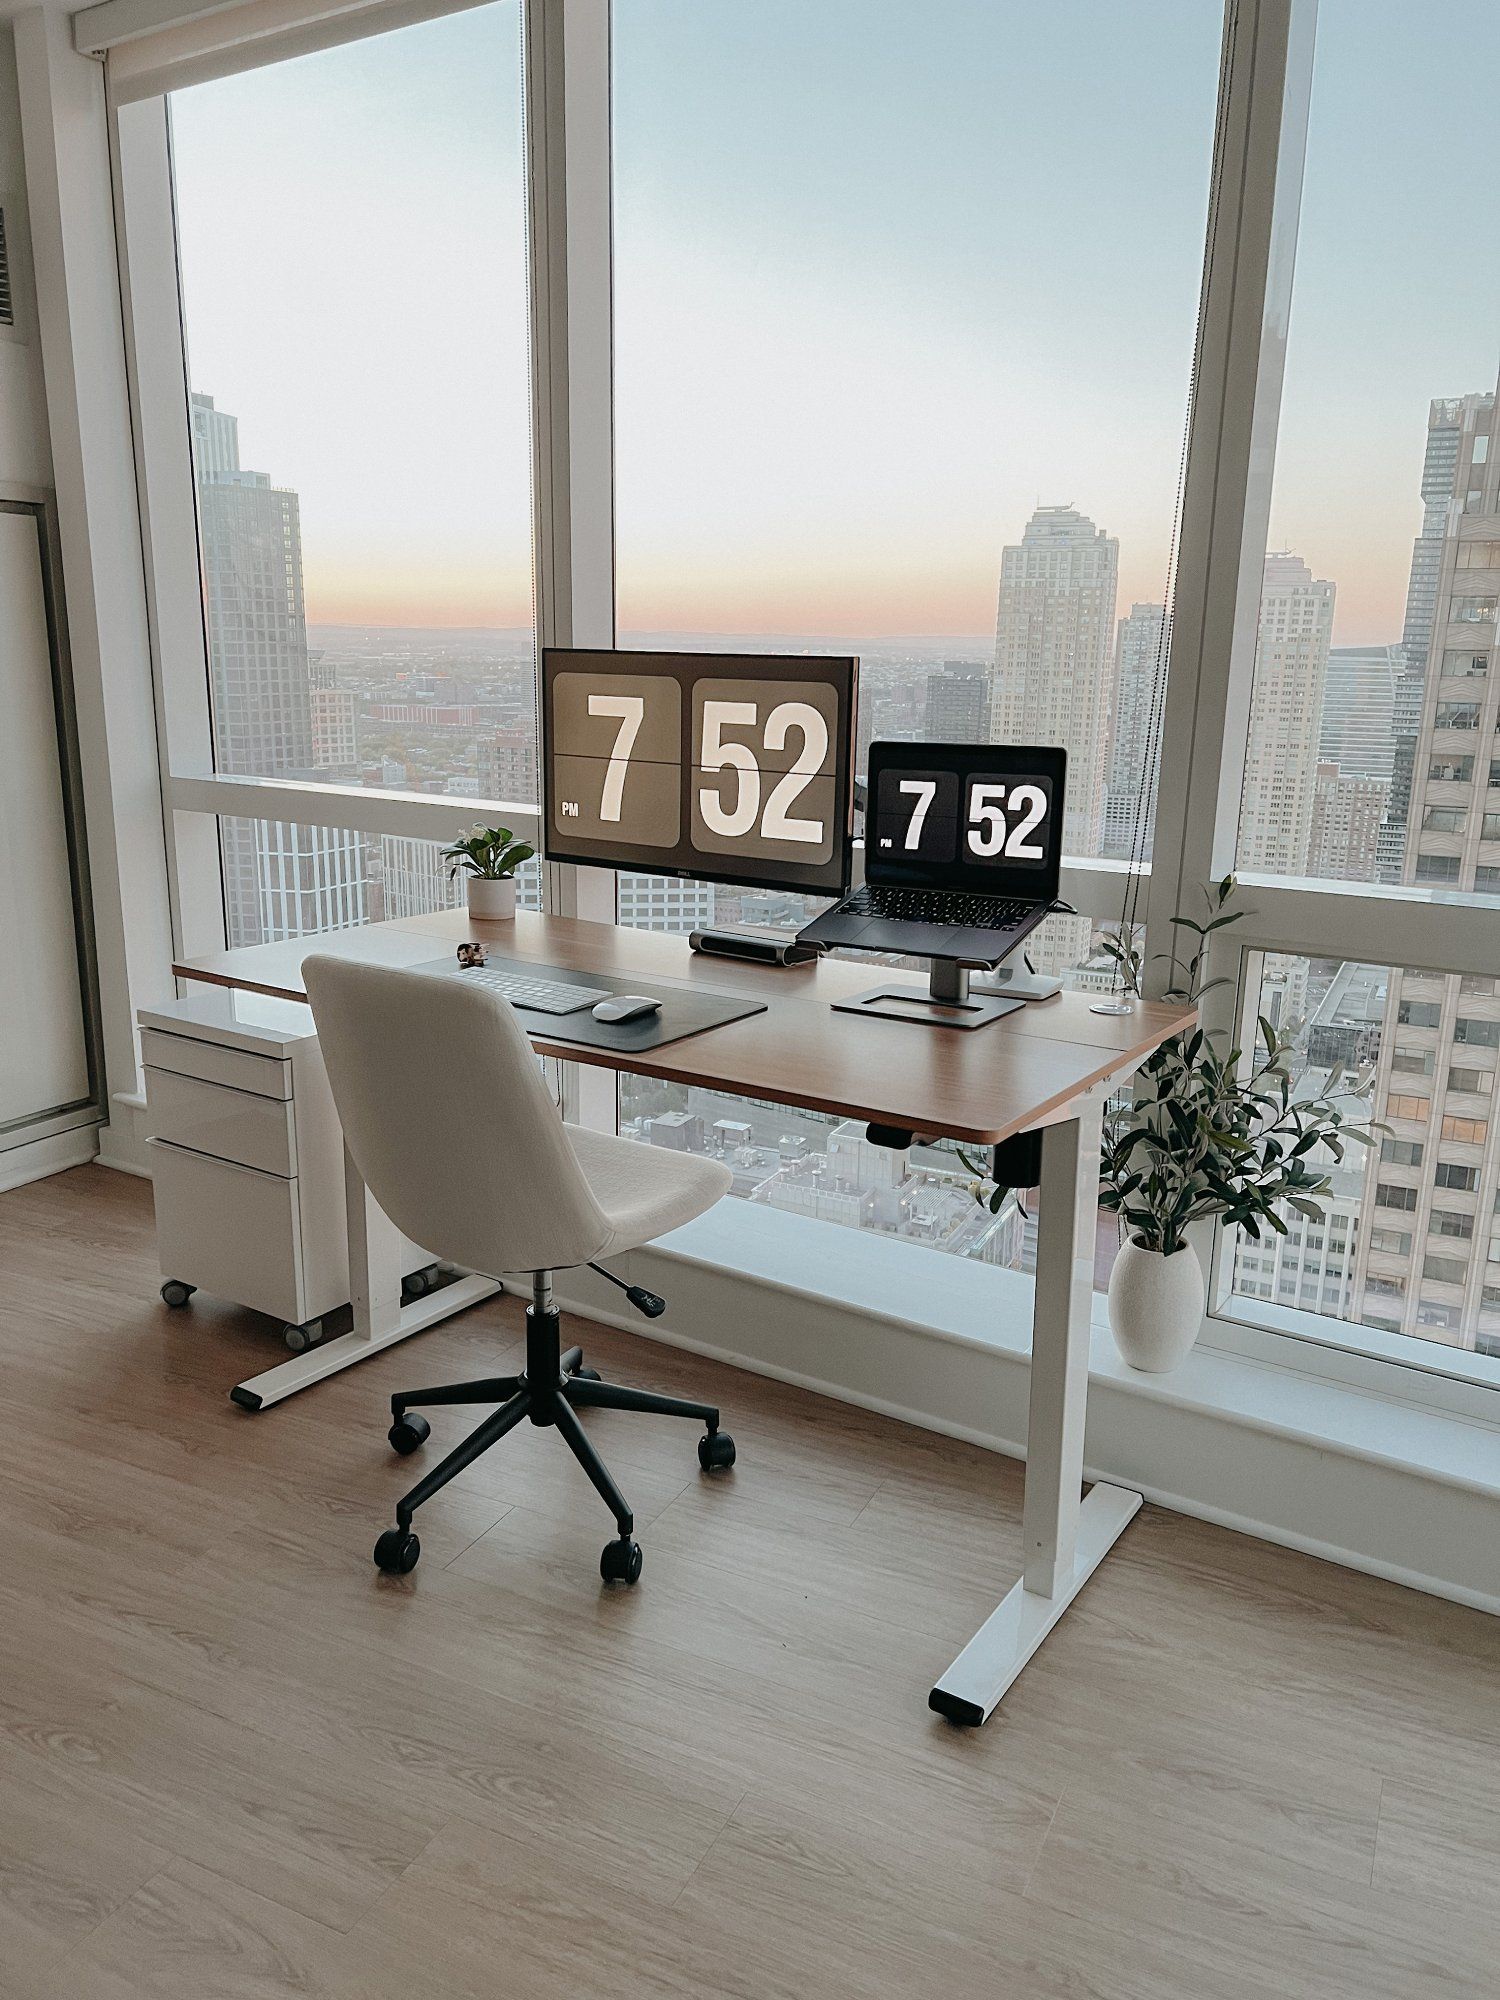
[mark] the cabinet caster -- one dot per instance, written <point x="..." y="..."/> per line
<point x="621" y="1561"/>
<point x="300" y="1338"/>
<point x="175" y="1293"/>
<point x="397" y="1551"/>
<point x="407" y="1433"/>
<point x="716" y="1451"/>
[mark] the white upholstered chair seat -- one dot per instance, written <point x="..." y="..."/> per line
<point x="644" y="1190"/>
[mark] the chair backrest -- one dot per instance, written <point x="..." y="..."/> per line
<point x="448" y="1120"/>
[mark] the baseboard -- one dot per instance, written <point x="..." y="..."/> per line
<point x="38" y="1158"/>
<point x="1411" y="1496"/>
<point x="122" y="1143"/>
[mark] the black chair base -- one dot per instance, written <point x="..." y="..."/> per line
<point x="553" y="1389"/>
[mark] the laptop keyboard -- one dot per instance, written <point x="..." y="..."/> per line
<point x="940" y="906"/>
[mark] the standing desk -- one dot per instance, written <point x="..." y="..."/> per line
<point x="1049" y="1066"/>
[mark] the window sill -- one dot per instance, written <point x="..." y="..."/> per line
<point x="1339" y="1470"/>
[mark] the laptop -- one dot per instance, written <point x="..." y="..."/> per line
<point x="963" y="851"/>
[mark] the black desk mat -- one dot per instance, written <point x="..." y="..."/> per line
<point x="684" y="1010"/>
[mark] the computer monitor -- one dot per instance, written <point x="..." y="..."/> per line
<point x="979" y="816"/>
<point x="723" y="766"/>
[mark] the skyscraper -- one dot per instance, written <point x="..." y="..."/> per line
<point x="1053" y="628"/>
<point x="1429" y="1259"/>
<point x="1286" y="707"/>
<point x="1345" y="834"/>
<point x="1357" y="728"/>
<point x="1447" y="420"/>
<point x="507" y="767"/>
<point x="1140" y="654"/>
<point x="280" y="880"/>
<point x="958" y="704"/>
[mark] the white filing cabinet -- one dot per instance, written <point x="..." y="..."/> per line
<point x="248" y="1159"/>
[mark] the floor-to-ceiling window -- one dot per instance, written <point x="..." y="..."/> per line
<point x="905" y="305"/>
<point x="1373" y="754"/>
<point x="352" y="248"/>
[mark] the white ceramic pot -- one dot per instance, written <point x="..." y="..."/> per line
<point x="490" y="899"/>
<point x="1155" y="1306"/>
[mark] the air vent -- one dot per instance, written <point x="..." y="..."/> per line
<point x="7" y="303"/>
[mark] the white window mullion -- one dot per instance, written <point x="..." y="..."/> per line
<point x="1261" y="139"/>
<point x="569" y="206"/>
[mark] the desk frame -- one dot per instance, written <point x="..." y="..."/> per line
<point x="1065" y="1536"/>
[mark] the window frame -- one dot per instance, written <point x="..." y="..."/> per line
<point x="1259" y="148"/>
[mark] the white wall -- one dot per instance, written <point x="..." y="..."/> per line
<point x="46" y="1091"/>
<point x="25" y="458"/>
<point x="65" y="137"/>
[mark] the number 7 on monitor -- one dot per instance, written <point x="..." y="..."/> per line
<point x="628" y="709"/>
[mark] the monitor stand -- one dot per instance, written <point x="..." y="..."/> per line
<point x="947" y="1003"/>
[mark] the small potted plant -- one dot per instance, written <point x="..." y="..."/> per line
<point x="488" y="857"/>
<point x="1209" y="1132"/>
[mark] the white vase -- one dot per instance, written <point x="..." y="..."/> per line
<point x="492" y="900"/>
<point x="1155" y="1306"/>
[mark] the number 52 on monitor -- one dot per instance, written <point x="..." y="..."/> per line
<point x="734" y="767"/>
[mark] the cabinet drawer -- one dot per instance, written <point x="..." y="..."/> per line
<point x="229" y="1230"/>
<point x="185" y="1055"/>
<point x="234" y="1125"/>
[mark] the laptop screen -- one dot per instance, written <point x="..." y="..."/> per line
<point x="977" y="816"/>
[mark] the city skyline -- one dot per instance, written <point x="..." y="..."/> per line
<point x="835" y="426"/>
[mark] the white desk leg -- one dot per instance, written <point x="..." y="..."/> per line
<point x="380" y="1319"/>
<point x="1065" y="1537"/>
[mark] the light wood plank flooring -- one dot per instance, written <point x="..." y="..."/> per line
<point x="237" y="1764"/>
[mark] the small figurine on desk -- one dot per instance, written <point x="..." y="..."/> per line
<point x="473" y="954"/>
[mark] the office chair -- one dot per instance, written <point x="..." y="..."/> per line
<point x="452" y="1129"/>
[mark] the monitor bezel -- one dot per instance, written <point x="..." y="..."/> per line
<point x="1025" y="760"/>
<point x="830" y="878"/>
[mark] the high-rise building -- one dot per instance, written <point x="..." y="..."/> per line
<point x="1140" y="673"/>
<point x="663" y="903"/>
<point x="1356" y="730"/>
<point x="1448" y="420"/>
<point x="1430" y="1252"/>
<point x="958" y="703"/>
<point x="1346" y="815"/>
<point x="1054" y="625"/>
<point x="335" y="735"/>
<point x="508" y="767"/>
<point x="1053" y="629"/>
<point x="280" y="880"/>
<point x="1286" y="706"/>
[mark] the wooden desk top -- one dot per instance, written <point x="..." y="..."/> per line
<point x="980" y="1087"/>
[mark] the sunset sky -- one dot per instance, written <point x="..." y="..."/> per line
<point x="887" y="277"/>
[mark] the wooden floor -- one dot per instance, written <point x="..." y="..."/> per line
<point x="235" y="1763"/>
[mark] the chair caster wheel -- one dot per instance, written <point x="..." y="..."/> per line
<point x="716" y="1451"/>
<point x="300" y="1338"/>
<point x="416" y="1284"/>
<point x="582" y="1374"/>
<point x="396" y="1552"/>
<point x="175" y="1293"/>
<point x="621" y="1561"/>
<point x="407" y="1432"/>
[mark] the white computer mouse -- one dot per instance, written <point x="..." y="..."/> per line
<point x="625" y="1007"/>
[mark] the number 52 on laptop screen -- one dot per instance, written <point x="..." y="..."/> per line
<point x="730" y="766"/>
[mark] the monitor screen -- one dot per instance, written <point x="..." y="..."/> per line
<point x="984" y="816"/>
<point x="732" y="767"/>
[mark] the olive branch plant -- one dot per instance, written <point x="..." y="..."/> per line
<point x="1210" y="1131"/>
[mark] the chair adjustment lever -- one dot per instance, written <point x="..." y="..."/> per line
<point x="649" y="1303"/>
